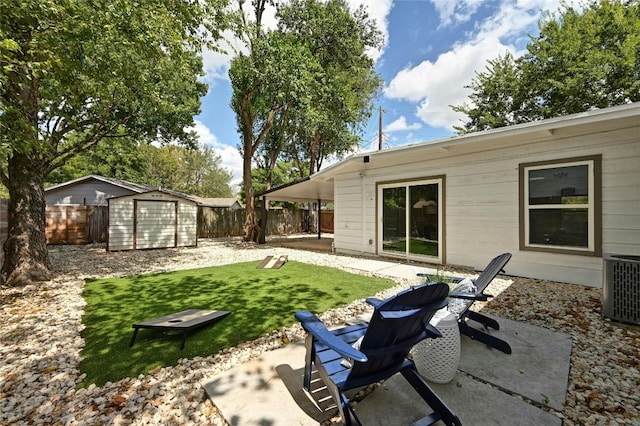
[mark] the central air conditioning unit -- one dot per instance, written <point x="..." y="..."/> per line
<point x="621" y="286"/>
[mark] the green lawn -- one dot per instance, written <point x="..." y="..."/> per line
<point x="261" y="301"/>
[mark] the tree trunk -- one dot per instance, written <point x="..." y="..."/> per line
<point x="25" y="251"/>
<point x="251" y="227"/>
<point x="314" y="152"/>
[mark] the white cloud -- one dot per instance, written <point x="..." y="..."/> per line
<point x="401" y="124"/>
<point x="455" y="11"/>
<point x="435" y="85"/>
<point x="231" y="158"/>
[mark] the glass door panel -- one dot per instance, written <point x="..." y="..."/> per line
<point x="423" y="220"/>
<point x="394" y="219"/>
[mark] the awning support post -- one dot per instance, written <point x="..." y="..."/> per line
<point x="319" y="236"/>
<point x="263" y="221"/>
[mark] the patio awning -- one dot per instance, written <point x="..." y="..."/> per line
<point x="302" y="191"/>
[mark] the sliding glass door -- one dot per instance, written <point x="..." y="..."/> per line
<point x="409" y="219"/>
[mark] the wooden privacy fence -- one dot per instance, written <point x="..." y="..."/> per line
<point x="76" y="224"/>
<point x="215" y="223"/>
<point x="326" y="221"/>
<point x="218" y="223"/>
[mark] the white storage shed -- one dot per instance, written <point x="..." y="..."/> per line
<point x="154" y="219"/>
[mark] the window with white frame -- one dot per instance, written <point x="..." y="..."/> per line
<point x="560" y="206"/>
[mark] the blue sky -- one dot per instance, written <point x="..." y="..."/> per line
<point x="432" y="50"/>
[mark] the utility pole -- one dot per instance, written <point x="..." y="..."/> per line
<point x="380" y="130"/>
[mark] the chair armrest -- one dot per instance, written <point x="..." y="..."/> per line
<point x="432" y="332"/>
<point x="315" y="327"/>
<point x="457" y="280"/>
<point x="471" y="296"/>
<point x="374" y="301"/>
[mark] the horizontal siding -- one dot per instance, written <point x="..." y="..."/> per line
<point x="120" y="224"/>
<point x="482" y="201"/>
<point x="187" y="224"/>
<point x="621" y="198"/>
<point x="156" y="224"/>
<point x="92" y="192"/>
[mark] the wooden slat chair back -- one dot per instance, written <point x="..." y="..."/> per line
<point x="396" y="325"/>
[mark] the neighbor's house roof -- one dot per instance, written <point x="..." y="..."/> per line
<point x="227" y="203"/>
<point x="319" y="186"/>
<point x="134" y="187"/>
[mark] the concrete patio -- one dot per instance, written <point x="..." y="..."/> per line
<point x="490" y="388"/>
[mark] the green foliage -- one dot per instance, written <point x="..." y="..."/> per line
<point x="417" y="246"/>
<point x="119" y="158"/>
<point x="579" y="62"/>
<point x="261" y="301"/>
<point x="195" y="171"/>
<point x="192" y="171"/>
<point x="76" y="72"/>
<point x="342" y="94"/>
<point x="496" y="90"/>
<point x="302" y="90"/>
<point x="283" y="173"/>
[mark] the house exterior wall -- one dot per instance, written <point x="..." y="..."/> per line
<point x="126" y="234"/>
<point x="92" y="192"/>
<point x="482" y="201"/>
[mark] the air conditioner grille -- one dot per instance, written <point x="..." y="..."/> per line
<point x="622" y="288"/>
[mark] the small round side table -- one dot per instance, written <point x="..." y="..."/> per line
<point x="437" y="359"/>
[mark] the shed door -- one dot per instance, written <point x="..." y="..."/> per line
<point x="155" y="224"/>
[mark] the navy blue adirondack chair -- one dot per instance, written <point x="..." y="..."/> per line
<point x="494" y="267"/>
<point x="397" y="324"/>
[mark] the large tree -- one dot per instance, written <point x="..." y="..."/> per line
<point x="306" y="84"/>
<point x="341" y="100"/>
<point x="73" y="73"/>
<point x="581" y="60"/>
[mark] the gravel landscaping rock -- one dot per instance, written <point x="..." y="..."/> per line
<point x="40" y="343"/>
